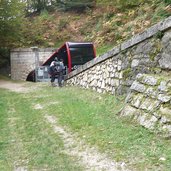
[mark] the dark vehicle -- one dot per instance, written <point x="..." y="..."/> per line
<point x="73" y="54"/>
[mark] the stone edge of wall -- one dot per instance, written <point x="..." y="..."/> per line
<point x="161" y="26"/>
<point x="30" y="50"/>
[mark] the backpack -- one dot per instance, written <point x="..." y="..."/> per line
<point x="51" y="70"/>
<point x="58" y="67"/>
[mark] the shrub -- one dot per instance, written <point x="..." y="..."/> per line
<point x="129" y="3"/>
<point x="4" y="57"/>
<point x="167" y="1"/>
<point x="62" y="24"/>
<point x="76" y="5"/>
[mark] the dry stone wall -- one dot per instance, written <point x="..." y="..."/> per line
<point x="23" y="61"/>
<point x="120" y="71"/>
<point x="149" y="102"/>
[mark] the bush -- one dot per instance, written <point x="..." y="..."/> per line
<point x="4" y="57"/>
<point x="62" y="24"/>
<point x="121" y="3"/>
<point x="129" y="3"/>
<point x="167" y="1"/>
<point x="76" y="5"/>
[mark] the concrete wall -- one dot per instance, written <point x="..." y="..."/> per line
<point x="116" y="72"/>
<point x="23" y="61"/>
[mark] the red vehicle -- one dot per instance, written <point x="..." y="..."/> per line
<point x="73" y="54"/>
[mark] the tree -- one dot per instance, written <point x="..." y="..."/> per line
<point x="38" y="5"/>
<point x="122" y="4"/>
<point x="167" y="1"/>
<point x="11" y="14"/>
<point x="75" y="5"/>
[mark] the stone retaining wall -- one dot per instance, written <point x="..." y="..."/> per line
<point x="148" y="52"/>
<point x="149" y="102"/>
<point x="116" y="73"/>
<point x="23" y="61"/>
<point x="118" y="70"/>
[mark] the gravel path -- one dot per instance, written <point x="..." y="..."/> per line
<point x="20" y="87"/>
<point x="90" y="158"/>
<point x="17" y="87"/>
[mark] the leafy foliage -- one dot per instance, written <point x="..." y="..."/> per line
<point x="121" y="3"/>
<point x="44" y="30"/>
<point x="107" y="24"/>
<point x="11" y="15"/>
<point x="76" y="5"/>
<point x="38" y="5"/>
<point x="110" y="23"/>
<point x="167" y="1"/>
<point x="4" y="56"/>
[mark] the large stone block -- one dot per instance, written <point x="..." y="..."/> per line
<point x="136" y="86"/>
<point x="164" y="98"/>
<point x="163" y="86"/>
<point x="147" y="120"/>
<point x="149" y="104"/>
<point x="164" y="25"/>
<point x="137" y="100"/>
<point x="128" y="111"/>
<point x="165" y="61"/>
<point x="149" y="80"/>
<point x="135" y="63"/>
<point x="151" y="92"/>
<point x="165" y="111"/>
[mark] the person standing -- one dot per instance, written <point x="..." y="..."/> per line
<point x="56" y="71"/>
<point x="53" y="62"/>
<point x="52" y="71"/>
<point x="61" y="73"/>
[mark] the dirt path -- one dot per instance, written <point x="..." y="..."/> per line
<point x="90" y="158"/>
<point x="17" y="87"/>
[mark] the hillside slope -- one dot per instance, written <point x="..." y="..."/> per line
<point x="105" y="25"/>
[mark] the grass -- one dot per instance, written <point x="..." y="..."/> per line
<point x="4" y="77"/>
<point x="104" y="49"/>
<point x="28" y="140"/>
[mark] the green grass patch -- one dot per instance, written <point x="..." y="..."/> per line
<point x="3" y="77"/>
<point x="94" y="117"/>
<point x="103" y="49"/>
<point x="28" y="140"/>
